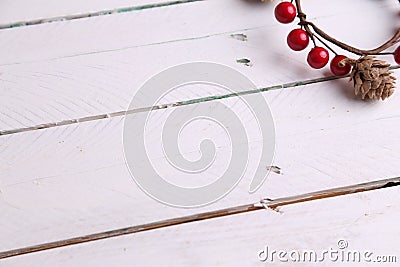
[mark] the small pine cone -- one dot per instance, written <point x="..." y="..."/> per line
<point x="371" y="77"/>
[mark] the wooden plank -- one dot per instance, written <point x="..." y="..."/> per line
<point x="171" y="23"/>
<point x="13" y="13"/>
<point x="84" y="164"/>
<point x="50" y="179"/>
<point x="51" y="91"/>
<point x="237" y="240"/>
<point x="263" y="204"/>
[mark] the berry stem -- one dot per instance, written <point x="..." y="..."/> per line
<point x="326" y="45"/>
<point x="302" y="16"/>
<point x="307" y="24"/>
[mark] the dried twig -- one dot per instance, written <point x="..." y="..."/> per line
<point x="308" y="25"/>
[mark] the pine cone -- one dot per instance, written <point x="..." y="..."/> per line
<point x="371" y="77"/>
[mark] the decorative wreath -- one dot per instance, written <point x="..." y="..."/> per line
<point x="371" y="77"/>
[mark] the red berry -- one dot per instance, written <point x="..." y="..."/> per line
<point x="318" y="57"/>
<point x="397" y="55"/>
<point x="285" y="12"/>
<point x="298" y="39"/>
<point x="337" y="69"/>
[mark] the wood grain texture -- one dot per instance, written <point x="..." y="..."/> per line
<point x="71" y="180"/>
<point x="237" y="240"/>
<point x="173" y="23"/>
<point x="19" y="13"/>
<point x="263" y="204"/>
<point x="68" y="162"/>
<point x="108" y="59"/>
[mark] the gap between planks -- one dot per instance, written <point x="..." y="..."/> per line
<point x="176" y="104"/>
<point x="165" y="106"/>
<point x="94" y="14"/>
<point x="263" y="204"/>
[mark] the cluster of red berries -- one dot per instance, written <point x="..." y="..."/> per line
<point x="298" y="39"/>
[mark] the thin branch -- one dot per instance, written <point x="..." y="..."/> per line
<point x="325" y="44"/>
<point x="377" y="51"/>
<point x="302" y="16"/>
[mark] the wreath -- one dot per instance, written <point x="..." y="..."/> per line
<point x="372" y="78"/>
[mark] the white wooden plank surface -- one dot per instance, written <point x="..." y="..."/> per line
<point x="70" y="88"/>
<point x="22" y="11"/>
<point x="367" y="221"/>
<point x="68" y="162"/>
<point x="71" y="180"/>
<point x="178" y="22"/>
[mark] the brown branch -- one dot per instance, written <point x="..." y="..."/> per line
<point x="354" y="50"/>
<point x="376" y="51"/>
<point x="302" y="16"/>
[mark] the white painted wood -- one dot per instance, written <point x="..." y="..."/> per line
<point x="98" y="83"/>
<point x="168" y="24"/>
<point x="366" y="221"/>
<point x="69" y="181"/>
<point x="21" y="11"/>
<point x="84" y="165"/>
